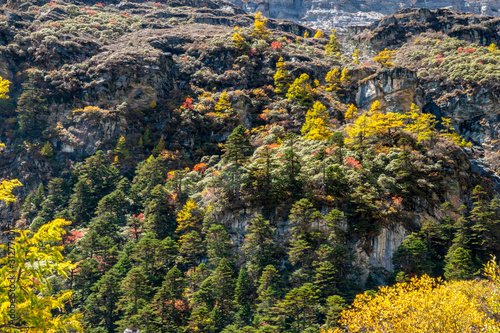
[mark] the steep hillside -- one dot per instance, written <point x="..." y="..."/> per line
<point x="220" y="168"/>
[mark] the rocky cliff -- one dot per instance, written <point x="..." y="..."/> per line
<point x="341" y="14"/>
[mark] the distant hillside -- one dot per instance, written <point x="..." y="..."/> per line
<point x="326" y="14"/>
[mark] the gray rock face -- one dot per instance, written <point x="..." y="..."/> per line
<point x="339" y="14"/>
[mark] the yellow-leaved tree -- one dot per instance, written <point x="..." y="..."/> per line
<point x="332" y="80"/>
<point x="319" y="34"/>
<point x="224" y="104"/>
<point x="259" y="27"/>
<point x="333" y="45"/>
<point x="301" y="90"/>
<point x="237" y="39"/>
<point x="423" y="125"/>
<point x="365" y="125"/>
<point x="355" y="57"/>
<point x="449" y="132"/>
<point x="345" y="78"/>
<point x="351" y="113"/>
<point x="427" y="305"/>
<point x="189" y="218"/>
<point x="493" y="48"/>
<point x="7" y="186"/>
<point x="385" y="57"/>
<point x="26" y="300"/>
<point x="4" y="88"/>
<point x="316" y="124"/>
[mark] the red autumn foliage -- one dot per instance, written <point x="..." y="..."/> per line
<point x="277" y="45"/>
<point x="397" y="201"/>
<point x="352" y="162"/>
<point x="99" y="5"/>
<point x="52" y="3"/>
<point x="73" y="236"/>
<point x="124" y="14"/>
<point x="439" y="61"/>
<point x="366" y="64"/>
<point x="439" y="55"/>
<point x="188" y="103"/>
<point x="200" y="168"/>
<point x="158" y="4"/>
<point x="55" y="25"/>
<point x="88" y="11"/>
<point x="97" y="26"/>
<point x="112" y="21"/>
<point x="252" y="52"/>
<point x="273" y="145"/>
<point x="468" y="50"/>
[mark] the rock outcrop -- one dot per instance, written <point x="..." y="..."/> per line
<point x="394" y="30"/>
<point x="340" y="14"/>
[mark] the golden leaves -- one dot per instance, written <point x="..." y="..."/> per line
<point x="421" y="305"/>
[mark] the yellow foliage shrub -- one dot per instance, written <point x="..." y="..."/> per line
<point x="422" y="305"/>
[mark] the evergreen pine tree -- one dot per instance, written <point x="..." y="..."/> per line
<point x="32" y="204"/>
<point x="236" y="151"/>
<point x="121" y="149"/>
<point x="259" y="246"/>
<point x="297" y="310"/>
<point x="223" y="290"/>
<point x="160" y="146"/>
<point x="291" y="184"/>
<point x="261" y="182"/>
<point x="268" y="292"/>
<point x="459" y="265"/>
<point x="243" y="298"/>
<point x="169" y="304"/>
<point x="31" y="110"/>
<point x="218" y="244"/>
<point x="136" y="292"/>
<point x="191" y="249"/>
<point x="146" y="139"/>
<point x="334" y="307"/>
<point x="100" y="306"/>
<point x="47" y="150"/>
